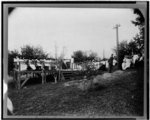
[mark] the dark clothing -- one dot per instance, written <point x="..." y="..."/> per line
<point x="110" y="61"/>
<point x="110" y="68"/>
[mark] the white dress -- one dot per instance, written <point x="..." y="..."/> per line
<point x="126" y="63"/>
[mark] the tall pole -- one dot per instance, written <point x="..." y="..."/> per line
<point x="117" y="41"/>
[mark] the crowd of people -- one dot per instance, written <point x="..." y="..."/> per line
<point x="135" y="61"/>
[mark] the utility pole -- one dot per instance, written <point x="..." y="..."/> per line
<point x="117" y="41"/>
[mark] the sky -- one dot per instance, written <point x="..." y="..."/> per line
<point x="70" y="29"/>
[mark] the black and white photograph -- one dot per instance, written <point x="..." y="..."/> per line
<point x="75" y="61"/>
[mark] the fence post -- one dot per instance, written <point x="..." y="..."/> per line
<point x="18" y="77"/>
<point x="45" y="77"/>
<point x="14" y="75"/>
<point x="55" y="77"/>
<point x="15" y="79"/>
<point x="43" y="81"/>
<point x="59" y="75"/>
<point x="18" y="80"/>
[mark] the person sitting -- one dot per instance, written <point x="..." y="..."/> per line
<point x="126" y="63"/>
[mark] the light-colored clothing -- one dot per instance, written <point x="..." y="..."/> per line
<point x="134" y="58"/>
<point x="126" y="63"/>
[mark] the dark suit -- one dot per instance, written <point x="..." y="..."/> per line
<point x="110" y="61"/>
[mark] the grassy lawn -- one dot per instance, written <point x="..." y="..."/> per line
<point x="120" y="97"/>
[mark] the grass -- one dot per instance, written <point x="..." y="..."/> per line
<point x="121" y="97"/>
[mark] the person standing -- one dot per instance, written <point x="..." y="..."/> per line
<point x="110" y="62"/>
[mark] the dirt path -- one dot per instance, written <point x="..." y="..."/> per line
<point x="119" y="97"/>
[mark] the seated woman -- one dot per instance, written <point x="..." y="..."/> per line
<point x="126" y="63"/>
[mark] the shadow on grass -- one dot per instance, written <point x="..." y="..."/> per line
<point x="97" y="87"/>
<point x="31" y="81"/>
<point x="38" y="80"/>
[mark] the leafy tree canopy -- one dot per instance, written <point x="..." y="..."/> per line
<point x="11" y="56"/>
<point x="27" y="52"/>
<point x="30" y="52"/>
<point x="82" y="56"/>
<point x="140" y="22"/>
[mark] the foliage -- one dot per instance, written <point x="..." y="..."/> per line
<point x="92" y="56"/>
<point x="27" y="52"/>
<point x="139" y="41"/>
<point x="81" y="56"/>
<point x="122" y="51"/>
<point x="90" y="67"/>
<point x="136" y="45"/>
<point x="140" y="22"/>
<point x="30" y="52"/>
<point x="132" y="47"/>
<point x="11" y="56"/>
<point x="126" y="48"/>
